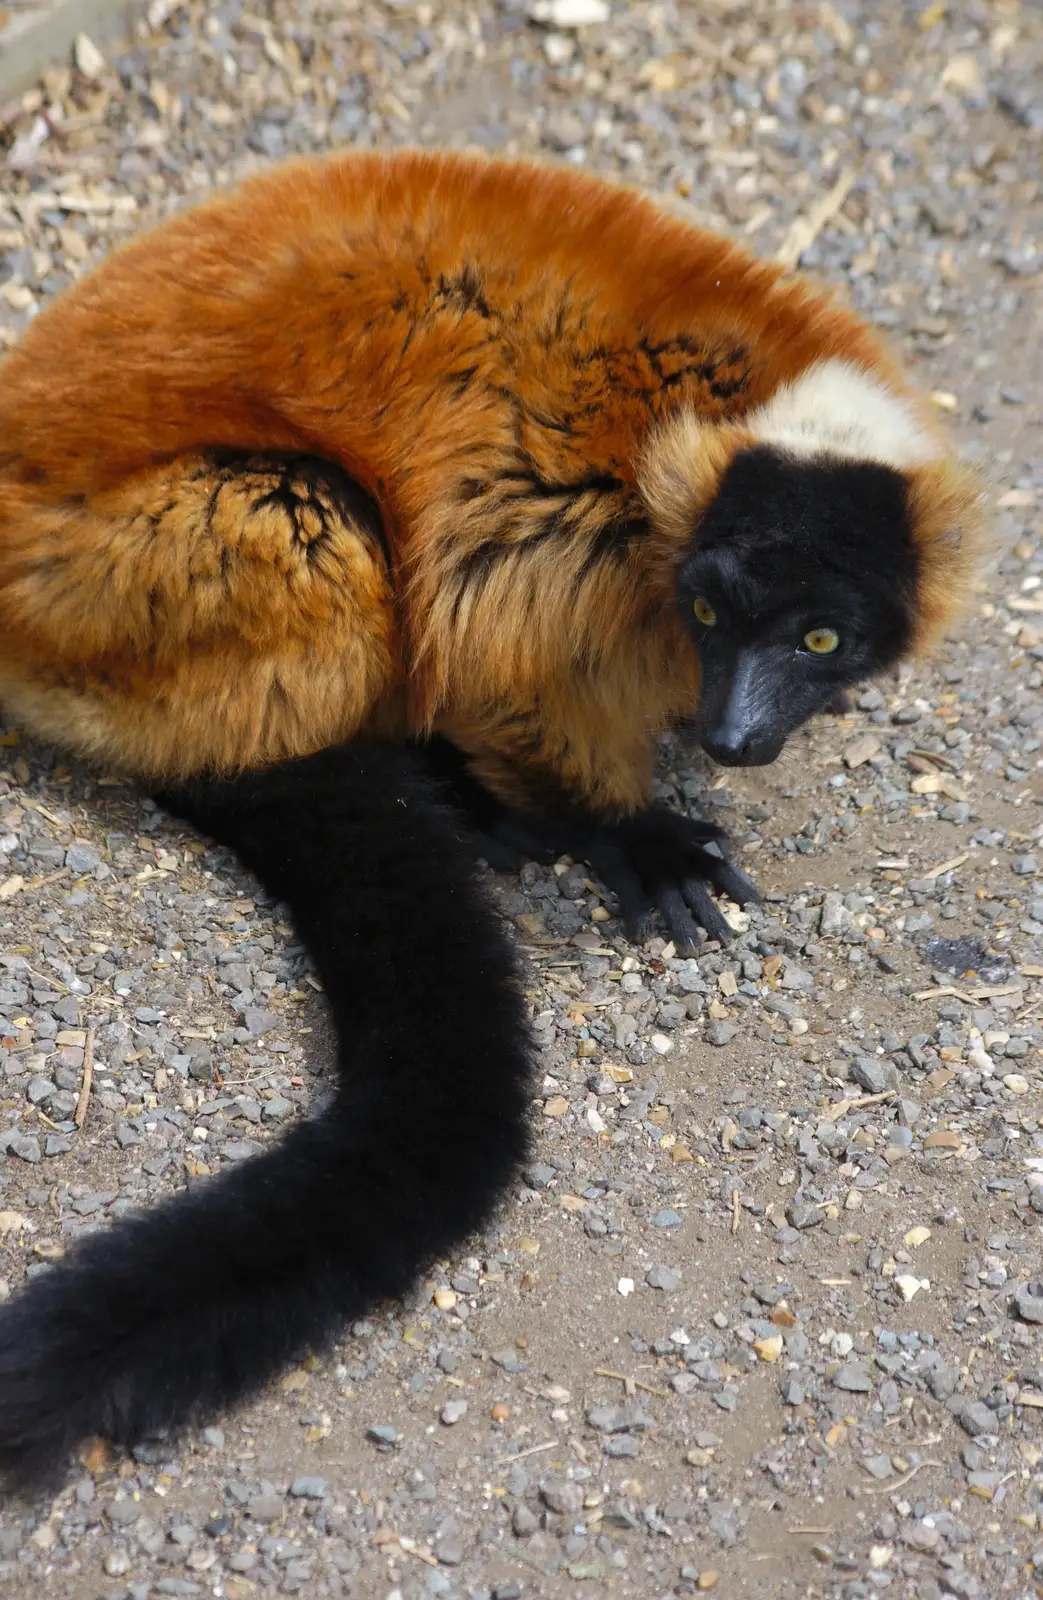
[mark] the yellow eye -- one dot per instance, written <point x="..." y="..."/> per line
<point x="821" y="641"/>
<point x="704" y="612"/>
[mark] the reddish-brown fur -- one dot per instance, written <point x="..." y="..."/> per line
<point x="509" y="360"/>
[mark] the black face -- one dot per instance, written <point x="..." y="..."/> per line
<point x="800" y="582"/>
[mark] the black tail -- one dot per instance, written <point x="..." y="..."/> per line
<point x="171" y="1317"/>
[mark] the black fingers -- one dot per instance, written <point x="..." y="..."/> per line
<point x="727" y="880"/>
<point x="671" y="902"/>
<point x="701" y="903"/>
<point x="636" y="906"/>
<point x="659" y="861"/>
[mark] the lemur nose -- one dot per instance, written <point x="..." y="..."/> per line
<point x="729" y="744"/>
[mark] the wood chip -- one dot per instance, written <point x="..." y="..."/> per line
<point x="533" y="1450"/>
<point x="947" y="991"/>
<point x="411" y="1548"/>
<point x="636" y="1383"/>
<point x="82" y="1104"/>
<point x="862" y="750"/>
<point x="856" y="1103"/>
<point x="947" y="866"/>
<point x="805" y="230"/>
<point x="900" y="1482"/>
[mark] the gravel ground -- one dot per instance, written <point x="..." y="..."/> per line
<point x="762" y="1318"/>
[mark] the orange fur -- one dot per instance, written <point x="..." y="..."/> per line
<point x="538" y="377"/>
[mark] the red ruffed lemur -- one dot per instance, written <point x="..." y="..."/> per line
<point x="383" y="501"/>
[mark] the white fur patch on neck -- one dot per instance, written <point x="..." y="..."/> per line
<point x="836" y="409"/>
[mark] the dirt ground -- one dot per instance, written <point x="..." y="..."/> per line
<point x="761" y="1320"/>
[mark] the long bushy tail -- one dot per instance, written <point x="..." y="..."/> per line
<point x="170" y="1317"/>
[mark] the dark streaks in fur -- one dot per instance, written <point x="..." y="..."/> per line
<point x="531" y="512"/>
<point x="462" y="291"/>
<point x="472" y="572"/>
<point x="597" y="483"/>
<point x="611" y="543"/>
<point x="302" y="481"/>
<point x="171" y="1317"/>
<point x="460" y="381"/>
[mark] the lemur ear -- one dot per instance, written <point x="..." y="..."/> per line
<point x="681" y="471"/>
<point x="954" y="541"/>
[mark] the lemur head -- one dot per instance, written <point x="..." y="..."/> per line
<point x="829" y="535"/>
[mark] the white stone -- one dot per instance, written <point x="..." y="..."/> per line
<point x="569" y="13"/>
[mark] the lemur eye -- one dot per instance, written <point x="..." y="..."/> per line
<point x="704" y="612"/>
<point x="821" y="641"/>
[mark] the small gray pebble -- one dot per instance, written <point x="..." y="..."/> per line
<point x="662" y="1278"/>
<point x="381" y="1435"/>
<point x="976" y="1418"/>
<point x="1028" y="1301"/>
<point x="82" y="858"/>
<point x="799" y="1214"/>
<point x="618" y="1419"/>
<point x="307" y="1488"/>
<point x="123" y="1513"/>
<point x="524" y="1521"/>
<point x="875" y="1077"/>
<point x="265" y="1508"/>
<point x="621" y="1446"/>
<point x="562" y="1495"/>
<point x="855" y="1377"/>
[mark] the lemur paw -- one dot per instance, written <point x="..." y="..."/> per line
<point x="658" y="860"/>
